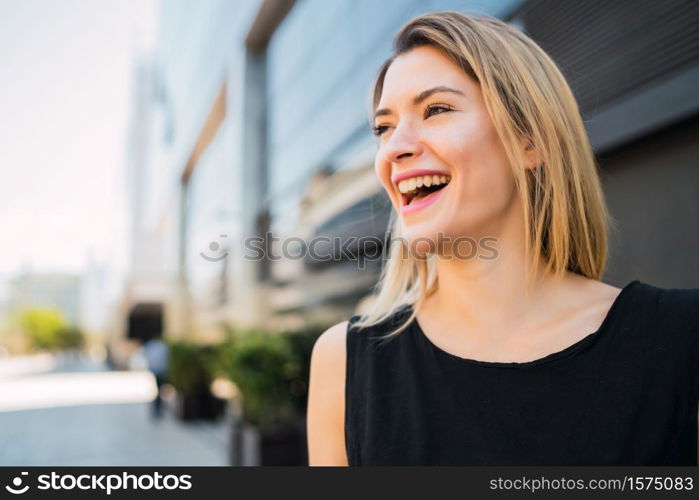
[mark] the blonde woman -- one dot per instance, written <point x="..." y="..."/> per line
<point x="516" y="354"/>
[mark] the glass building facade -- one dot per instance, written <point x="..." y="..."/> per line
<point x="321" y="63"/>
<point x="275" y="135"/>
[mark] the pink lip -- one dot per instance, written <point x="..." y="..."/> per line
<point x="416" y="173"/>
<point x="422" y="203"/>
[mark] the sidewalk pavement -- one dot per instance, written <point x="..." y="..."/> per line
<point x="92" y="434"/>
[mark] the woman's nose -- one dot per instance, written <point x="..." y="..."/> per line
<point x="403" y="143"/>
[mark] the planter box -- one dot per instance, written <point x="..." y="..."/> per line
<point x="200" y="406"/>
<point x="285" y="445"/>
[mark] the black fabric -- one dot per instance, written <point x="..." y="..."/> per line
<point x="626" y="394"/>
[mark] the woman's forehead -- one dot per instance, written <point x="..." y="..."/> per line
<point x="417" y="70"/>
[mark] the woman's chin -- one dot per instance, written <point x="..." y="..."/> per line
<point x="422" y="240"/>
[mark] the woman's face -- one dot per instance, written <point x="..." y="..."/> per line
<point x="431" y="119"/>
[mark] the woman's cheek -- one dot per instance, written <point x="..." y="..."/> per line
<point x="383" y="173"/>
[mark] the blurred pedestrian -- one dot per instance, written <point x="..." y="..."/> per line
<point x="155" y="350"/>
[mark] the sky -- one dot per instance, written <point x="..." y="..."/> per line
<point x="64" y="102"/>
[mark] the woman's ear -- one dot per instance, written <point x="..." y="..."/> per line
<point x="532" y="155"/>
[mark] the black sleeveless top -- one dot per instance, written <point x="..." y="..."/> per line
<point x="626" y="394"/>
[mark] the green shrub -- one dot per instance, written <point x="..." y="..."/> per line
<point x="48" y="329"/>
<point x="263" y="365"/>
<point x="191" y="366"/>
<point x="302" y="342"/>
<point x="271" y="370"/>
<point x="70" y="338"/>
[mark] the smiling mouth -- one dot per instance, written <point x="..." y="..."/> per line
<point x="418" y="192"/>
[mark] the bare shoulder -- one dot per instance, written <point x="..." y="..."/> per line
<point x="595" y="289"/>
<point x="581" y="307"/>
<point x="591" y="295"/>
<point x="326" y="398"/>
<point x="330" y="345"/>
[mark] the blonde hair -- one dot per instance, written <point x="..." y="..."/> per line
<point x="528" y="98"/>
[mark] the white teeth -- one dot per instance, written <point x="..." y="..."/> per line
<point x="408" y="185"/>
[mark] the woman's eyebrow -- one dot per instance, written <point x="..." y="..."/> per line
<point x="434" y="90"/>
<point x="420" y="97"/>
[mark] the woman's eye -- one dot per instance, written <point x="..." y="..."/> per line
<point x="436" y="109"/>
<point x="378" y="130"/>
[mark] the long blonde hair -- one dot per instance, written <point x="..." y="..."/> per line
<point x="528" y="98"/>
